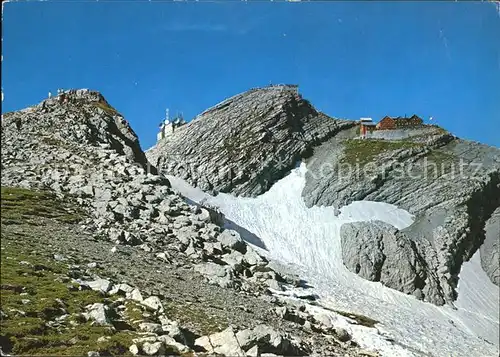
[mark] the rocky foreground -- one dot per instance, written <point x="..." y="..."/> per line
<point x="138" y="269"/>
<point x="127" y="265"/>
<point x="248" y="142"/>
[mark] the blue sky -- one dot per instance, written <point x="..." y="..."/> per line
<point x="351" y="59"/>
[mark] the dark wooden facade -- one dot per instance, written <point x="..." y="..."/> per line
<point x="388" y="123"/>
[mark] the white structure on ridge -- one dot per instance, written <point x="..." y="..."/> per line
<point x="167" y="127"/>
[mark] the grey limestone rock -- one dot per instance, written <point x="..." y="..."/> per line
<point x="261" y="339"/>
<point x="217" y="274"/>
<point x="245" y="143"/>
<point x="451" y="186"/>
<point x="98" y="313"/>
<point x="490" y="249"/>
<point x="377" y="251"/>
<point x="224" y="343"/>
<point x="232" y="240"/>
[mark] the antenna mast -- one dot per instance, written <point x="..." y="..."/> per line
<point x="167" y="117"/>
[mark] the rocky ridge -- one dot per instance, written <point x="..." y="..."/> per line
<point x="81" y="148"/>
<point x="450" y="185"/>
<point x="246" y="143"/>
<point x="128" y="204"/>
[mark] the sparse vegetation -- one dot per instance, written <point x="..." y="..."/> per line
<point x="195" y="315"/>
<point x="34" y="293"/>
<point x="40" y="307"/>
<point x="440" y="162"/>
<point x="364" y="151"/>
<point x="107" y="108"/>
<point x="52" y="141"/>
<point x="133" y="312"/>
<point x="21" y="205"/>
<point x="440" y="157"/>
<point x="360" y="319"/>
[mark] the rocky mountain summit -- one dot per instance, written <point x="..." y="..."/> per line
<point x="76" y="150"/>
<point x="248" y="142"/>
<point x="81" y="117"/>
<point x="84" y="159"/>
<point x="245" y="143"/>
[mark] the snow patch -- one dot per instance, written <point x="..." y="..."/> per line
<point x="478" y="299"/>
<point x="307" y="240"/>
